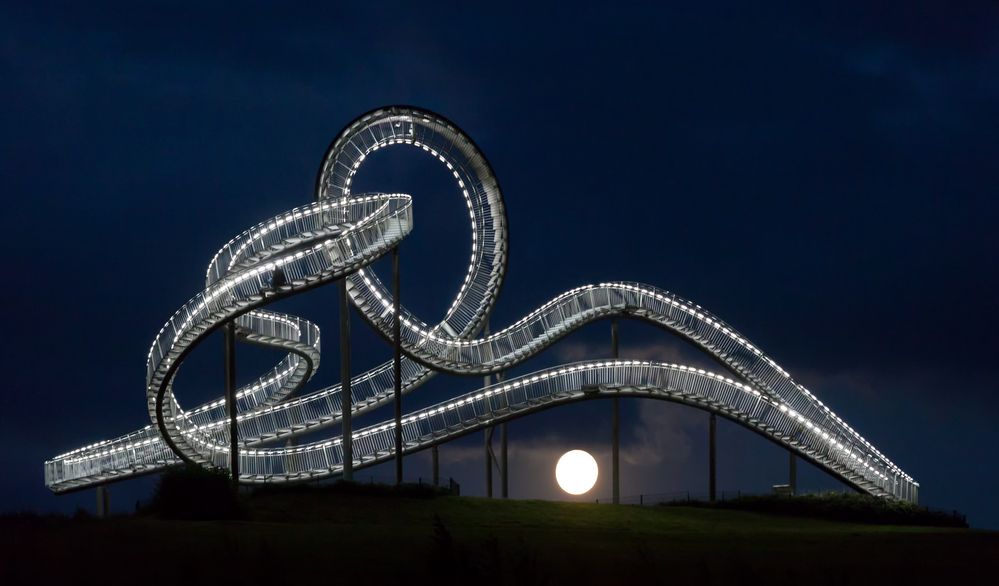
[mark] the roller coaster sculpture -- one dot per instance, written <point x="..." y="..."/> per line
<point x="337" y="238"/>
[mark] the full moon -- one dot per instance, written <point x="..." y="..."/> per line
<point x="576" y="472"/>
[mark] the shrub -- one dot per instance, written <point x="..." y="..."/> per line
<point x="194" y="492"/>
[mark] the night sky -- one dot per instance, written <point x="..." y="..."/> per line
<point x="824" y="179"/>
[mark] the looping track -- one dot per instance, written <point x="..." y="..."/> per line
<point x="340" y="235"/>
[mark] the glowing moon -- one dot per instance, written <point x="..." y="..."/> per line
<point x="576" y="472"/>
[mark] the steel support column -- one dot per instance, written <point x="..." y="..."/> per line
<point x="615" y="428"/>
<point x="397" y="364"/>
<point x="712" y="424"/>
<point x="103" y="501"/>
<point x="792" y="472"/>
<point x="504" y="470"/>
<point x="230" y="401"/>
<point x="487" y="434"/>
<point x="346" y="399"/>
<point x="435" y="458"/>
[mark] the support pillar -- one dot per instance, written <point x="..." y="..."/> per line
<point x="435" y="457"/>
<point x="103" y="502"/>
<point x="487" y="435"/>
<point x="489" y="461"/>
<point x="397" y="364"/>
<point x="346" y="399"/>
<point x="792" y="472"/>
<point x="615" y="428"/>
<point x="504" y="470"/>
<point x="712" y="474"/>
<point x="230" y="401"/>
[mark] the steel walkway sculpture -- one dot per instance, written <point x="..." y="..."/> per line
<point x="337" y="237"/>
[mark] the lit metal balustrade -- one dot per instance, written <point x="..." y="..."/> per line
<point x="339" y="236"/>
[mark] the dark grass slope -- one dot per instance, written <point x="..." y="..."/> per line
<point x="836" y="506"/>
<point x="416" y="535"/>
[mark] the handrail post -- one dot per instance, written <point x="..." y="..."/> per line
<point x="230" y="401"/>
<point x="346" y="399"/>
<point x="397" y="364"/>
<point x="615" y="428"/>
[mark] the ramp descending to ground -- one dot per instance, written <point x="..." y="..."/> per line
<point x="338" y="237"/>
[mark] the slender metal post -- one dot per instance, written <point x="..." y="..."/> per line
<point x="346" y="399"/>
<point x="504" y="470"/>
<point x="103" y="501"/>
<point x="397" y="365"/>
<point x="489" y="461"/>
<point x="712" y="423"/>
<point x="436" y="465"/>
<point x="487" y="436"/>
<point x="792" y="472"/>
<point x="230" y="401"/>
<point x="615" y="428"/>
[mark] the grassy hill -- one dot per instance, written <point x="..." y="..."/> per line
<point x="330" y="537"/>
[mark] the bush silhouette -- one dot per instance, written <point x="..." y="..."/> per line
<point x="194" y="492"/>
